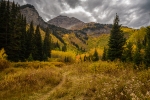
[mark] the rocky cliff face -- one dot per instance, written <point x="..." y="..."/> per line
<point x="65" y="22"/>
<point x="31" y="14"/>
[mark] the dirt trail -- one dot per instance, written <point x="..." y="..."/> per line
<point x="47" y="95"/>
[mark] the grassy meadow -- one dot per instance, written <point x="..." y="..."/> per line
<point x="53" y="80"/>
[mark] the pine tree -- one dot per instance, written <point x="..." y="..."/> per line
<point x="64" y="48"/>
<point x="37" y="54"/>
<point x="7" y="21"/>
<point x="30" y="40"/>
<point x="23" y="39"/>
<point x="57" y="46"/>
<point x="47" y="45"/>
<point x="13" y="47"/>
<point x="127" y="54"/>
<point x="116" y="41"/>
<point x="95" y="56"/>
<point x="147" y="49"/>
<point x="137" y="58"/>
<point x="11" y="30"/>
<point x="104" y="56"/>
<point x="2" y="24"/>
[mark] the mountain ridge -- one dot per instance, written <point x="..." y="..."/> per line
<point x="65" y="21"/>
<point x="75" y="33"/>
<point x="32" y="14"/>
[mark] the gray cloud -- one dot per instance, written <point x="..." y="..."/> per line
<point x="132" y="13"/>
<point x="72" y="3"/>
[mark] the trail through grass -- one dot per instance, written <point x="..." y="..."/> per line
<point x="79" y="81"/>
<point x="46" y="96"/>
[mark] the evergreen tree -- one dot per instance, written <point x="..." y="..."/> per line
<point x="147" y="49"/>
<point x="2" y="24"/>
<point x="64" y="48"/>
<point x="47" y="45"/>
<point x="23" y="39"/>
<point x="116" y="41"/>
<point x="127" y="54"/>
<point x="11" y="30"/>
<point x="57" y="46"/>
<point x="104" y="56"/>
<point x="7" y="21"/>
<point x="37" y="54"/>
<point x="30" y="40"/>
<point x="137" y="55"/>
<point x="95" y="56"/>
<point x="13" y="48"/>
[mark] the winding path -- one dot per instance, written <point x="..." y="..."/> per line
<point x="47" y="95"/>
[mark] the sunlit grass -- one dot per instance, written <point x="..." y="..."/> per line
<point x="22" y="80"/>
<point x="104" y="80"/>
<point x="100" y="80"/>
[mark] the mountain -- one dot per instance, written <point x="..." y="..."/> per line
<point x="72" y="23"/>
<point x="65" y="22"/>
<point x="31" y="14"/>
<point x="68" y="30"/>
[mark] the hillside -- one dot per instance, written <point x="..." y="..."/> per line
<point x="76" y="37"/>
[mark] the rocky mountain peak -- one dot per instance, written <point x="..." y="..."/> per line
<point x="31" y="14"/>
<point x="65" y="21"/>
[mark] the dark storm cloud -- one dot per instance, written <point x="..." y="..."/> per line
<point x="146" y="6"/>
<point x="72" y="3"/>
<point x="132" y="13"/>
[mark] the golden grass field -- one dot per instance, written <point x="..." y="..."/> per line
<point x="73" y="81"/>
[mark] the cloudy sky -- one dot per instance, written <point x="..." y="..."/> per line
<point x="132" y="13"/>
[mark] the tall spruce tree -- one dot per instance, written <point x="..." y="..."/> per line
<point x="64" y="48"/>
<point x="11" y="30"/>
<point x="13" y="47"/>
<point x="2" y="24"/>
<point x="23" y="39"/>
<point x="95" y="56"/>
<point x="30" y="40"/>
<point x="7" y="21"/>
<point x="47" y="45"/>
<point x="127" y="53"/>
<point x="37" y="54"/>
<point x="116" y="41"/>
<point x="104" y="56"/>
<point x="137" y="58"/>
<point x="147" y="49"/>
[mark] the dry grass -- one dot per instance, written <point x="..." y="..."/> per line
<point x="80" y="81"/>
<point x="104" y="81"/>
<point x="21" y="83"/>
